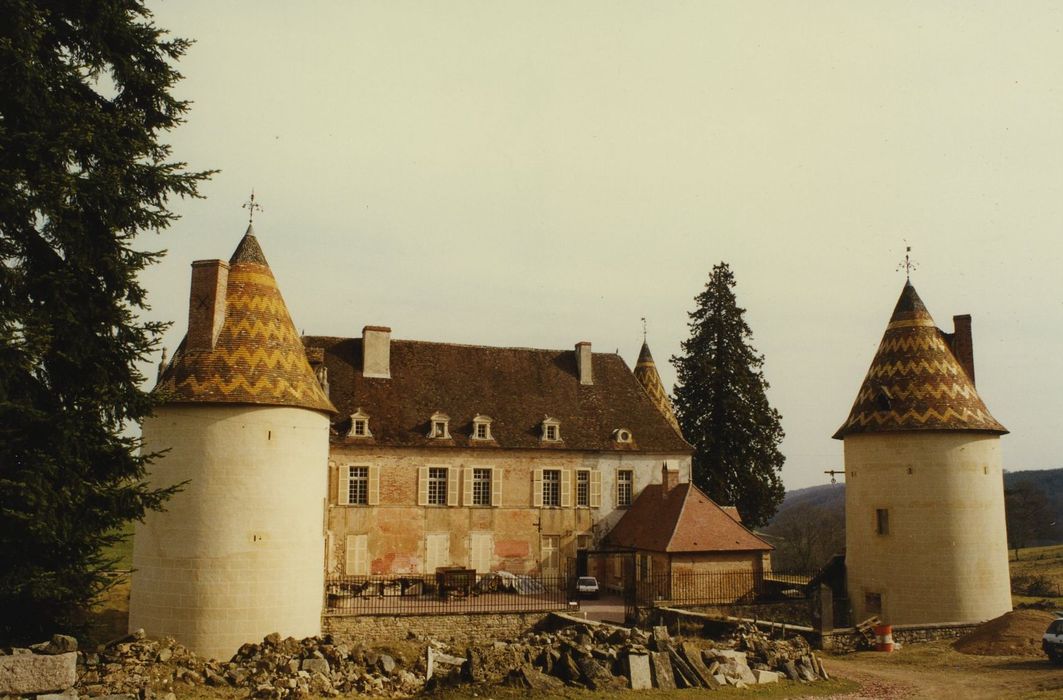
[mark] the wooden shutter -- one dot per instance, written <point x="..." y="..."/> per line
<point x="453" y="474"/>
<point x="357" y="557"/>
<point x="374" y="486"/>
<point x="481" y="549"/>
<point x="537" y="488"/>
<point x="596" y="489"/>
<point x="566" y="488"/>
<point x="343" y="493"/>
<point x="496" y="487"/>
<point x="467" y="479"/>
<point x="422" y="486"/>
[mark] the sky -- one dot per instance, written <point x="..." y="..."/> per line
<point x="542" y="173"/>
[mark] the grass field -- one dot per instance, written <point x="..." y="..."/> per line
<point x="1042" y="566"/>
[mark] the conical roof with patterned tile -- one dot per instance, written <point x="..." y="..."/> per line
<point x="646" y="373"/>
<point x="915" y="382"/>
<point x="258" y="357"/>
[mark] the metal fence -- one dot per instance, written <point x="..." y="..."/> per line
<point x="719" y="588"/>
<point x="456" y="592"/>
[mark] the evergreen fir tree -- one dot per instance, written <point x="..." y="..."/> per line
<point x="84" y="99"/>
<point x="722" y="407"/>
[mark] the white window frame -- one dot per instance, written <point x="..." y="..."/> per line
<point x="359" y="418"/>
<point x="427" y="475"/>
<point x="551" y="488"/>
<point x="481" y="422"/>
<point x="551" y="430"/>
<point x="583" y="488"/>
<point x="439" y="426"/>
<point x="621" y="482"/>
<point x="623" y="436"/>
<point x="343" y="495"/>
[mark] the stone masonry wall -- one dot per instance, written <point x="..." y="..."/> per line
<point x="460" y="629"/>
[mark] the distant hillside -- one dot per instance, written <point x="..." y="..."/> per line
<point x="829" y="499"/>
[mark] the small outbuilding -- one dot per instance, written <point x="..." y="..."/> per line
<point x="687" y="548"/>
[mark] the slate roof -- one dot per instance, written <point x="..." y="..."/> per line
<point x="646" y="373"/>
<point x="686" y="520"/>
<point x="516" y="387"/>
<point x="915" y="382"/>
<point x="258" y="357"/>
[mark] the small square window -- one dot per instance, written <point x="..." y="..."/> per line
<point x="873" y="603"/>
<point x="439" y="429"/>
<point x="551" y="432"/>
<point x="358" y="429"/>
<point x="481" y="431"/>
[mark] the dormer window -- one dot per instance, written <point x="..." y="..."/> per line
<point x="622" y="435"/>
<point x="440" y="429"/>
<point x="481" y="428"/>
<point x="551" y="429"/>
<point x="359" y="425"/>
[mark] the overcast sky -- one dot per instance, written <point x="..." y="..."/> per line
<point x="536" y="174"/>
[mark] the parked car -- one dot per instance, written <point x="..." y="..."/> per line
<point x="1052" y="642"/>
<point x="587" y="587"/>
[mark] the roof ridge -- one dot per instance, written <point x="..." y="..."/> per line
<point x="679" y="516"/>
<point x="737" y="522"/>
<point x="461" y="345"/>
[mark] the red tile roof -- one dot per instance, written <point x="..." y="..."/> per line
<point x="685" y="520"/>
<point x="516" y="387"/>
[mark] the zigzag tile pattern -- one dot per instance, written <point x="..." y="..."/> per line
<point x="650" y="379"/>
<point x="915" y="382"/>
<point x="259" y="356"/>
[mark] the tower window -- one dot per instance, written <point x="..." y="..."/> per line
<point x="882" y="521"/>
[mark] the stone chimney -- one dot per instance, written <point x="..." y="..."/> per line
<point x="669" y="476"/>
<point x="584" y="363"/>
<point x="961" y="344"/>
<point x="376" y="352"/>
<point x="206" y="303"/>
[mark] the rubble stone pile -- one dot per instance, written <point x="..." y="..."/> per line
<point x="275" y="668"/>
<point x="582" y="655"/>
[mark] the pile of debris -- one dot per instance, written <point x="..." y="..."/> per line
<point x="608" y="658"/>
<point x="276" y="668"/>
<point x="597" y="657"/>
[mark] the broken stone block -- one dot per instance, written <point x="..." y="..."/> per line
<point x="663" y="675"/>
<point x="596" y="677"/>
<point x="30" y="674"/>
<point x="315" y="665"/>
<point x="638" y="672"/>
<point x="766" y="677"/>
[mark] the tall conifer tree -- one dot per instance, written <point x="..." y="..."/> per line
<point x="722" y="407"/>
<point x="84" y="98"/>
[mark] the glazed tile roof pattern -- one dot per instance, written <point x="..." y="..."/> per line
<point x="915" y="382"/>
<point x="258" y="357"/>
<point x="517" y="387"/>
<point x="646" y="373"/>
<point x="684" y="520"/>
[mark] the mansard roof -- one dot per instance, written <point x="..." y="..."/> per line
<point x="515" y="386"/>
<point x="650" y="379"/>
<point x="915" y="382"/>
<point x="683" y="520"/>
<point x="257" y="358"/>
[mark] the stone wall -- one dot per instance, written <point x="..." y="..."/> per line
<point x="466" y="628"/>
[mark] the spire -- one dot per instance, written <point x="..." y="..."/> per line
<point x="646" y="374"/>
<point x="915" y="382"/>
<point x="258" y="357"/>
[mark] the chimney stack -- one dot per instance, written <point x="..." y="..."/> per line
<point x="584" y="363"/>
<point x="961" y="343"/>
<point x="206" y="303"/>
<point x="376" y="352"/>
<point x="669" y="476"/>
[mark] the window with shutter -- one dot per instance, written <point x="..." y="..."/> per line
<point x="481" y="550"/>
<point x="496" y="487"/>
<point x="437" y="551"/>
<point x="467" y="487"/>
<point x="374" y="486"/>
<point x="596" y="489"/>
<point x="343" y="488"/>
<point x="537" y="488"/>
<point x="452" y="485"/>
<point x="422" y="486"/>
<point x="566" y="488"/>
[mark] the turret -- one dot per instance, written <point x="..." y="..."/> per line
<point x="646" y="373"/>
<point x="238" y="552"/>
<point x="924" y="502"/>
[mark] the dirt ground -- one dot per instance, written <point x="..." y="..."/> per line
<point x="936" y="670"/>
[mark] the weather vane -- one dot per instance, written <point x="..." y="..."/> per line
<point x="644" y="329"/>
<point x="907" y="265"/>
<point x="252" y="206"/>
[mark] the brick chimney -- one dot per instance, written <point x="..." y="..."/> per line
<point x="584" y="363"/>
<point x="206" y="303"/>
<point x="376" y="352"/>
<point x="961" y="344"/>
<point x="669" y="476"/>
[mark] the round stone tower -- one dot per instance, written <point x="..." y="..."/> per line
<point x="924" y="490"/>
<point x="238" y="552"/>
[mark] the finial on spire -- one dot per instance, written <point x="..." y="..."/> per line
<point x="907" y="265"/>
<point x="644" y="329"/>
<point x="252" y="206"/>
